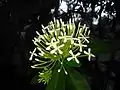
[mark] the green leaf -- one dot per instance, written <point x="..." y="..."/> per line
<point x="57" y="82"/>
<point x="66" y="49"/>
<point x="75" y="81"/>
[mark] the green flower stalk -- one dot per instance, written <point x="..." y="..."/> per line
<point x="59" y="44"/>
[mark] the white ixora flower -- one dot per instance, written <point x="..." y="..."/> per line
<point x="84" y="37"/>
<point x="33" y="54"/>
<point x="57" y="48"/>
<point x="52" y="43"/>
<point x="54" y="30"/>
<point x="73" y="56"/>
<point x="80" y="44"/>
<point x="89" y="54"/>
<point x="65" y="38"/>
<point x="62" y="67"/>
<point x="41" y="53"/>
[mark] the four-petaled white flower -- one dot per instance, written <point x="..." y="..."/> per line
<point x="83" y="37"/>
<point x="54" y="30"/>
<point x="41" y="53"/>
<point x="80" y="44"/>
<point x="62" y="67"/>
<point x="89" y="54"/>
<point x="66" y="38"/>
<point x="73" y="56"/>
<point x="53" y="43"/>
<point x="32" y="54"/>
<point x="57" y="48"/>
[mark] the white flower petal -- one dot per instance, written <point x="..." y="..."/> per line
<point x="71" y="52"/>
<point x="77" y="61"/>
<point x="85" y="52"/>
<point x="41" y="54"/>
<point x="66" y="72"/>
<point x="37" y="33"/>
<point x="92" y="55"/>
<point x="89" y="57"/>
<point x="37" y="59"/>
<point x="32" y="67"/>
<point x="48" y="48"/>
<point x="77" y="54"/>
<point x="89" y="50"/>
<point x="31" y="57"/>
<point x="60" y="51"/>
<point x="69" y="58"/>
<point x="59" y="70"/>
<point x="53" y="51"/>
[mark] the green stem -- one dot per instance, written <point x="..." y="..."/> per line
<point x="43" y="66"/>
<point x="42" y="63"/>
<point x="82" y="56"/>
<point x="52" y="66"/>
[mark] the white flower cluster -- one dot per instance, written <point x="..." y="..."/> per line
<point x="60" y="42"/>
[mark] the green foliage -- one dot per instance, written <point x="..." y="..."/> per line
<point x="58" y="81"/>
<point x="75" y="81"/>
<point x="72" y="81"/>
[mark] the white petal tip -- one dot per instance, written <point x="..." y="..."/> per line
<point x="69" y="59"/>
<point x="66" y="73"/>
<point x="59" y="70"/>
<point x="32" y="67"/>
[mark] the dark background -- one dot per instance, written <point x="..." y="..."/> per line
<point x="19" y="19"/>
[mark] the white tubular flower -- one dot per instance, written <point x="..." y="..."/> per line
<point x="88" y="32"/>
<point x="54" y="30"/>
<point x="80" y="45"/>
<point x="86" y="29"/>
<point x="41" y="53"/>
<point x="37" y="59"/>
<point x="52" y="43"/>
<point x="39" y="37"/>
<point x="84" y="37"/>
<point x="89" y="54"/>
<point x="32" y="66"/>
<point x="57" y="48"/>
<point x="57" y="23"/>
<point x="32" y="54"/>
<point x="65" y="38"/>
<point x="84" y="26"/>
<point x="73" y="56"/>
<point x="59" y="70"/>
<point x="43" y="30"/>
